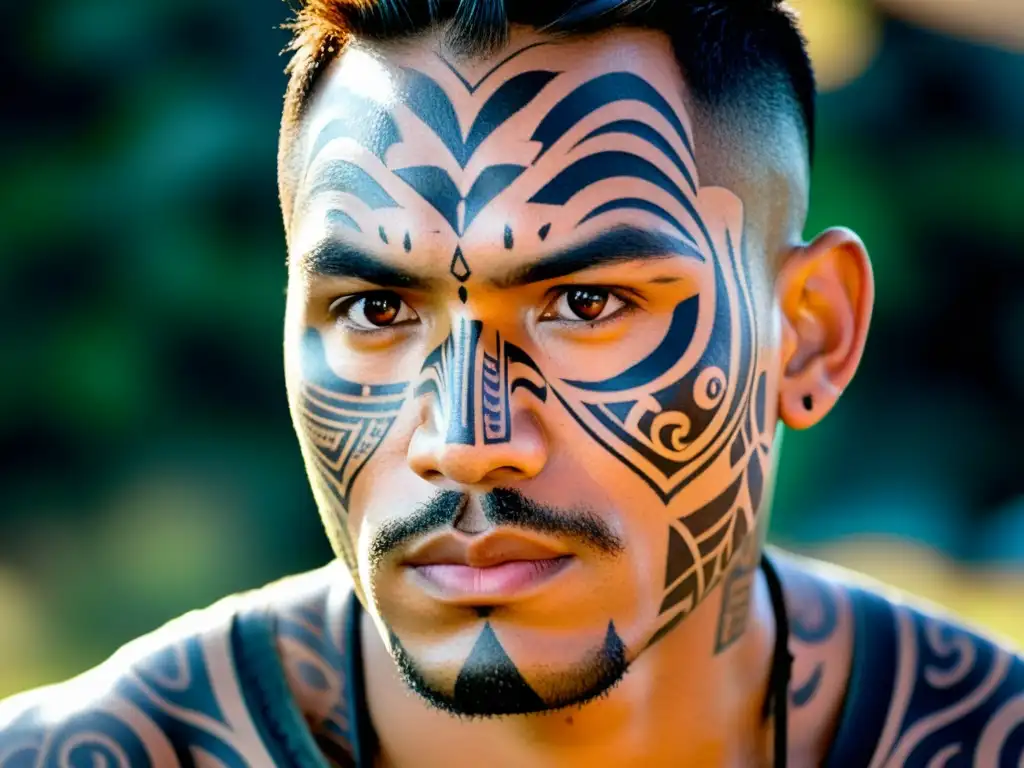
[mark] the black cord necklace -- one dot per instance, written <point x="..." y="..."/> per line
<point x="777" y="700"/>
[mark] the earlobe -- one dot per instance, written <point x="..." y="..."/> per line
<point x="825" y="291"/>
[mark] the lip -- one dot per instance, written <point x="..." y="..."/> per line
<point x="485" y="568"/>
<point x="464" y="584"/>
<point x="484" y="550"/>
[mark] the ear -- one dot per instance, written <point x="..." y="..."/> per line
<point x="826" y="291"/>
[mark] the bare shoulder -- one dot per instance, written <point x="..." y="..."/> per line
<point x="916" y="685"/>
<point x="172" y="697"/>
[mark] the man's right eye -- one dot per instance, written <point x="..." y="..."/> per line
<point x="370" y="312"/>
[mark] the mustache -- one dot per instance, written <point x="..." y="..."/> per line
<point x="501" y="507"/>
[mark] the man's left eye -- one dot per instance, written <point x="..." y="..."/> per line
<point x="584" y="305"/>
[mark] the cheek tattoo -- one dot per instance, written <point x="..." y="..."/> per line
<point x="343" y="423"/>
<point x="669" y="421"/>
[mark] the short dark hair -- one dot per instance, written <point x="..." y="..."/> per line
<point x="748" y="54"/>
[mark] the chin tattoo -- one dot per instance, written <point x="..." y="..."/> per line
<point x="490" y="685"/>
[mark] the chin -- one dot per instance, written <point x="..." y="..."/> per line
<point x="490" y="683"/>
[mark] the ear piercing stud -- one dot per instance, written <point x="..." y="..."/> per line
<point x="808" y="403"/>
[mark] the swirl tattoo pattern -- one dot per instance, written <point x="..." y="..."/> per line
<point x="310" y="639"/>
<point x="919" y="689"/>
<point x="171" y="699"/>
<point x="670" y="416"/>
<point x="958" y="699"/>
<point x="814" y="619"/>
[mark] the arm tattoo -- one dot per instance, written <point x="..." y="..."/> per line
<point x="309" y="636"/>
<point x="958" y="700"/>
<point x="163" y="709"/>
<point x="814" y="619"/>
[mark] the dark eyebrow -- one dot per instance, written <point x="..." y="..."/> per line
<point x="336" y="258"/>
<point x="615" y="246"/>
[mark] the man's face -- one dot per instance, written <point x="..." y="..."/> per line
<point x="525" y="359"/>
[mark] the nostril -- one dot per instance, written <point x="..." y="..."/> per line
<point x="432" y="475"/>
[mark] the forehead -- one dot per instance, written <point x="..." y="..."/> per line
<point x="406" y="140"/>
<point x="375" y="69"/>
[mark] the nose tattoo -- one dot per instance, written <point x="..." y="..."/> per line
<point x="471" y="385"/>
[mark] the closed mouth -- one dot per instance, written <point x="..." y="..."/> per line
<point x="496" y="582"/>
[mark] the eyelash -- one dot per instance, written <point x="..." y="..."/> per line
<point x="628" y="298"/>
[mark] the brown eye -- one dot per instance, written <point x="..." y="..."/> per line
<point x="373" y="311"/>
<point x="586" y="303"/>
<point x="382" y="308"/>
<point x="581" y="305"/>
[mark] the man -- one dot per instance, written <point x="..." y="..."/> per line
<point x="548" y="303"/>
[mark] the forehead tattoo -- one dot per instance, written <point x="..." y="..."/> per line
<point x="697" y="399"/>
<point x="374" y="126"/>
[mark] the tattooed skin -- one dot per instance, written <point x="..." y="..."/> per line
<point x="922" y="691"/>
<point x="958" y="698"/>
<point x="343" y="423"/>
<point x="460" y="368"/>
<point x="521" y="188"/>
<point x="184" y="695"/>
<point x="814" y="620"/>
<point x="310" y="639"/>
<point x="737" y="592"/>
<point x="917" y="689"/>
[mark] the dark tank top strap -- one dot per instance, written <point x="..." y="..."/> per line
<point x="872" y="680"/>
<point x="364" y="747"/>
<point x="264" y="687"/>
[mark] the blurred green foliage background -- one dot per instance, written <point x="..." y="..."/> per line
<point x="148" y="461"/>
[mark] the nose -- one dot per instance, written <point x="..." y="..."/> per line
<point x="479" y="423"/>
<point x="433" y="457"/>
